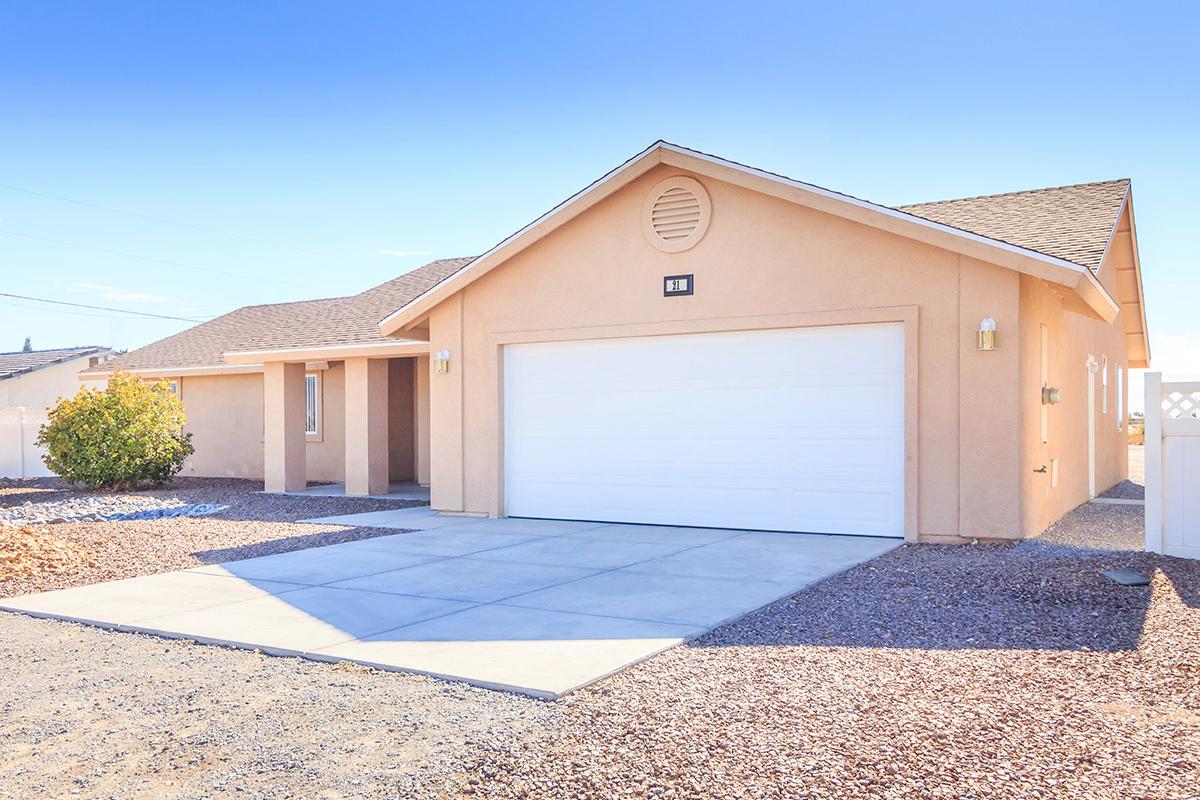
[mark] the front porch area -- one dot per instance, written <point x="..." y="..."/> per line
<point x="396" y="491"/>
<point x="358" y="425"/>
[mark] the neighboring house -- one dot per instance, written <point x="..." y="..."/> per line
<point x="30" y="383"/>
<point x="691" y="341"/>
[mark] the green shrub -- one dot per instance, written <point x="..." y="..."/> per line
<point x="115" y="438"/>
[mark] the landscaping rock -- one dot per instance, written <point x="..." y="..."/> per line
<point x="97" y="507"/>
<point x="28" y="552"/>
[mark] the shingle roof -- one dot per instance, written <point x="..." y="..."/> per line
<point x="13" y="365"/>
<point x="308" y="323"/>
<point x="1068" y="222"/>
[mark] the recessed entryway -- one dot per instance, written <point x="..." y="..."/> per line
<point x="535" y="606"/>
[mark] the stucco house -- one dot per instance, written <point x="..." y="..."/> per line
<point x="691" y="341"/>
<point x="30" y="383"/>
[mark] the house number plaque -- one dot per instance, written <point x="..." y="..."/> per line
<point x="677" y="285"/>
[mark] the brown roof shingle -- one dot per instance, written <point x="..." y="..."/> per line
<point x="307" y="323"/>
<point x="1068" y="222"/>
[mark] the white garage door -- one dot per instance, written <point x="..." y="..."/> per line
<point x="798" y="429"/>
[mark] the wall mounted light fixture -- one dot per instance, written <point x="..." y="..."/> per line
<point x="441" y="362"/>
<point x="985" y="339"/>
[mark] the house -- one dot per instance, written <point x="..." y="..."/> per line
<point x="692" y="341"/>
<point x="30" y="383"/>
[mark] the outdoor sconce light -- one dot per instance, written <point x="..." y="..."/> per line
<point x="1051" y="396"/>
<point x="985" y="339"/>
<point x="441" y="362"/>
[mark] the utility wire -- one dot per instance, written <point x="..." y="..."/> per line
<point x="140" y="258"/>
<point x="161" y="220"/>
<point x="100" y="308"/>
<point x="25" y="307"/>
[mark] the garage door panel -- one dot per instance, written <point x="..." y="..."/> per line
<point x="776" y="430"/>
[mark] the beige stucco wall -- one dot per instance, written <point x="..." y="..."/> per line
<point x="1072" y="339"/>
<point x="325" y="453"/>
<point x="761" y="259"/>
<point x="225" y="417"/>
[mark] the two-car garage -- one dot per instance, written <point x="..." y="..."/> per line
<point x="787" y="429"/>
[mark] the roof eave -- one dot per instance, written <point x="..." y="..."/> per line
<point x="387" y="349"/>
<point x="175" y="372"/>
<point x="1137" y="268"/>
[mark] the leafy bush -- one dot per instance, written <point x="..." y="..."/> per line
<point x="116" y="438"/>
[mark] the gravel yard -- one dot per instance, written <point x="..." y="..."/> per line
<point x="964" y="672"/>
<point x="1135" y="487"/>
<point x="253" y="524"/>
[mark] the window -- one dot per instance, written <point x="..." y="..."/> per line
<point x="312" y="404"/>
<point x="1120" y="397"/>
<point x="1103" y="384"/>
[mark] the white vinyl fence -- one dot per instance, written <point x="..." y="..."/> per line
<point x="20" y="457"/>
<point x="1172" y="467"/>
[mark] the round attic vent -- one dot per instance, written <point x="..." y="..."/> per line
<point x="676" y="214"/>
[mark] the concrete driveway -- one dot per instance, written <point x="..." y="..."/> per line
<point x="535" y="606"/>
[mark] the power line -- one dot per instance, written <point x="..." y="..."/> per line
<point x="100" y="308"/>
<point x="39" y="309"/>
<point x="161" y="220"/>
<point x="140" y="258"/>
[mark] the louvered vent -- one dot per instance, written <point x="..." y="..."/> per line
<point x="676" y="214"/>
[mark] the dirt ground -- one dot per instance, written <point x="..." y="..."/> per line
<point x="998" y="671"/>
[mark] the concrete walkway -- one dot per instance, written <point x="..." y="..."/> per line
<point x="535" y="606"/>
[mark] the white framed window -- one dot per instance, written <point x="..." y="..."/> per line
<point x="1120" y="397"/>
<point x="1103" y="384"/>
<point x="312" y="404"/>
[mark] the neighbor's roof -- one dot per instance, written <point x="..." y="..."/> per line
<point x="1073" y="223"/>
<point x="308" y="323"/>
<point x="13" y="365"/>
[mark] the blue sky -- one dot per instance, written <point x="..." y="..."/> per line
<point x="325" y="148"/>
